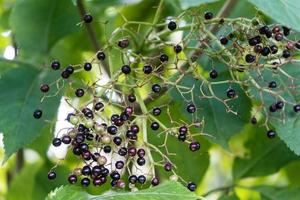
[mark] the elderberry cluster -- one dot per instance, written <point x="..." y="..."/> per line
<point x="110" y="136"/>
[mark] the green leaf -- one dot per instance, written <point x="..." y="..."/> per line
<point x="37" y="25"/>
<point x="275" y="193"/>
<point x="20" y="96"/>
<point x="185" y="4"/>
<point x="232" y="196"/>
<point x="166" y="191"/>
<point x="265" y="157"/>
<point x="22" y="186"/>
<point x="285" y="12"/>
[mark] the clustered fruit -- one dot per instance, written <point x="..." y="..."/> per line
<point x="111" y="142"/>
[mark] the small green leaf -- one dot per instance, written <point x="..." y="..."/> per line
<point x="166" y="191"/>
<point x="285" y="12"/>
<point x="20" y="96"/>
<point x="266" y="156"/>
<point x="37" y="25"/>
<point x="274" y="193"/>
<point x="22" y="186"/>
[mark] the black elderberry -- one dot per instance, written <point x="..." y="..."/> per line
<point x="114" y="117"/>
<point x="154" y="126"/>
<point x="177" y="48"/>
<point x="156" y="88"/>
<point x="132" y="179"/>
<point x="44" y="88"/>
<point x="87" y="66"/>
<point x="70" y="69"/>
<point x="286" y="53"/>
<point x="273" y="108"/>
<point x="134" y="128"/>
<point x="101" y="55"/>
<point x="278" y="36"/>
<point x="272" y="84"/>
<point x="258" y="48"/>
<point x="107" y="149"/>
<point x="191" y="108"/>
<point x="37" y="114"/>
<point x="56" y="142"/>
<point x="230" y="93"/>
<point x="297" y="108"/>
<point x="155" y="181"/>
<point x="265" y="51"/>
<point x="79" y="92"/>
<point x="254" y="41"/>
<point x="141" y="153"/>
<point x="112" y="130"/>
<point x="119" y="164"/>
<point x="156" y="111"/>
<point x="208" y="15"/>
<point x="194" y="146"/>
<point x="126" y="69"/>
<point x="86" y="170"/>
<point x="163" y="58"/>
<point x="168" y="166"/>
<point x="274" y="49"/>
<point x="72" y="179"/>
<point x="77" y="151"/>
<point x="263" y="29"/>
<point x="98" y="106"/>
<point x="85" y="182"/>
<point x="223" y="40"/>
<point x="172" y="25"/>
<point x="87" y="18"/>
<point x="66" y="139"/>
<point x="191" y="186"/>
<point x="213" y="74"/>
<point x="131" y="98"/>
<point x="181" y="137"/>
<point x="253" y="120"/>
<point x="141" y="161"/>
<point x="147" y="69"/>
<point x="141" y="179"/>
<point x="269" y="34"/>
<point x="271" y="134"/>
<point x="117" y="140"/>
<point x="51" y="175"/>
<point x="279" y="104"/>
<point x="250" y="58"/>
<point x="122" y="151"/>
<point x="115" y="175"/>
<point x="183" y="130"/>
<point x="65" y="74"/>
<point x="123" y="43"/>
<point x="55" y="65"/>
<point x="132" y="151"/>
<point x="286" y="31"/>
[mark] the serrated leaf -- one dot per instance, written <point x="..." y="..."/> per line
<point x="266" y="156"/>
<point x="275" y="193"/>
<point x="20" y="96"/>
<point x="285" y="12"/>
<point x="37" y="25"/>
<point x="22" y="186"/>
<point x="166" y="191"/>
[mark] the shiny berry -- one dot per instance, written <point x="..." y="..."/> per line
<point x="122" y="151"/>
<point x="177" y="48"/>
<point x="286" y="53"/>
<point x="44" y="88"/>
<point x="278" y="36"/>
<point x="55" y="65"/>
<point x="230" y="93"/>
<point x="86" y="170"/>
<point x="98" y="106"/>
<point x="208" y="15"/>
<point x="154" y="126"/>
<point x="191" y="108"/>
<point x="213" y="74"/>
<point x="274" y="49"/>
<point x="66" y="139"/>
<point x="112" y="130"/>
<point x="79" y="92"/>
<point x="156" y="88"/>
<point x="297" y="108"/>
<point x="132" y="179"/>
<point x="65" y="74"/>
<point x="101" y="55"/>
<point x="107" y="149"/>
<point x="286" y="31"/>
<point x="163" y="58"/>
<point x="85" y="182"/>
<point x="126" y="69"/>
<point x="117" y="140"/>
<point x="87" y="18"/>
<point x="156" y="111"/>
<point x="119" y="164"/>
<point x="87" y="66"/>
<point x="141" y="153"/>
<point x="168" y="166"/>
<point x="141" y="179"/>
<point x="279" y="104"/>
<point x="56" y="142"/>
<point x="263" y="29"/>
<point x="72" y="179"/>
<point x="181" y="137"/>
<point x="141" y="161"/>
<point x="272" y="84"/>
<point x="271" y="134"/>
<point x="172" y="25"/>
<point x="155" y="181"/>
<point x="115" y="175"/>
<point x="131" y="98"/>
<point x="147" y="69"/>
<point x="194" y="146"/>
<point x="223" y="40"/>
<point x="123" y="43"/>
<point x="191" y="186"/>
<point x="51" y="175"/>
<point x="253" y="120"/>
<point x="250" y="58"/>
<point x="265" y="51"/>
<point x="37" y="113"/>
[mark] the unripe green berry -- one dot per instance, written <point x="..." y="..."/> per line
<point x="101" y="160"/>
<point x="99" y="128"/>
<point x="173" y="178"/>
<point x="89" y="123"/>
<point x="74" y="120"/>
<point x="106" y="139"/>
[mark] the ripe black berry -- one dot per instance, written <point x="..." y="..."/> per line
<point x="172" y="25"/>
<point x="168" y="166"/>
<point x="141" y="153"/>
<point x="286" y="31"/>
<point x="272" y="84"/>
<point x="112" y="130"/>
<point x="131" y="98"/>
<point x="117" y="140"/>
<point x="194" y="146"/>
<point x="85" y="182"/>
<point x="155" y="181"/>
<point x="126" y="69"/>
<point x="101" y="55"/>
<point x="274" y="49"/>
<point x="181" y="137"/>
<point x="156" y="88"/>
<point x="123" y="43"/>
<point x="66" y="139"/>
<point x="44" y="88"/>
<point x="69" y="69"/>
<point x="183" y="130"/>
<point x="131" y="151"/>
<point x="271" y="134"/>
<point x="273" y="108"/>
<point x="163" y="58"/>
<point x="56" y="142"/>
<point x="115" y="175"/>
<point x="55" y="65"/>
<point x="258" y="48"/>
<point x="147" y="69"/>
<point x="87" y="18"/>
<point x="265" y="51"/>
<point x="141" y="179"/>
<point x="156" y="111"/>
<point x="231" y="93"/>
<point x="141" y="161"/>
<point x="263" y="29"/>
<point x="51" y="175"/>
<point x="154" y="126"/>
<point x="119" y="164"/>
<point x="79" y="92"/>
<point x="122" y="151"/>
<point x="278" y="36"/>
<point x="250" y="58"/>
<point x="177" y="48"/>
<point x="191" y="108"/>
<point x="132" y="179"/>
<point x="191" y="186"/>
<point x="223" y="40"/>
<point x="86" y="170"/>
<point x="65" y="74"/>
<point x="107" y="149"/>
<point x="279" y="104"/>
<point x="208" y="15"/>
<point x="213" y="74"/>
<point x="72" y="179"/>
<point x="37" y="114"/>
<point x="98" y="106"/>
<point x="253" y="120"/>
<point x="87" y="66"/>
<point x="297" y="108"/>
<point x="286" y="53"/>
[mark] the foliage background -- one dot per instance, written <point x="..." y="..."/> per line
<point x="245" y="166"/>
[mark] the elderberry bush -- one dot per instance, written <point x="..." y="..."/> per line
<point x="111" y="125"/>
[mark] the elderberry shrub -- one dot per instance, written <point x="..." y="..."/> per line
<point x="105" y="127"/>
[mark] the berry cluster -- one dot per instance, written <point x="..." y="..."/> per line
<point x="109" y="136"/>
